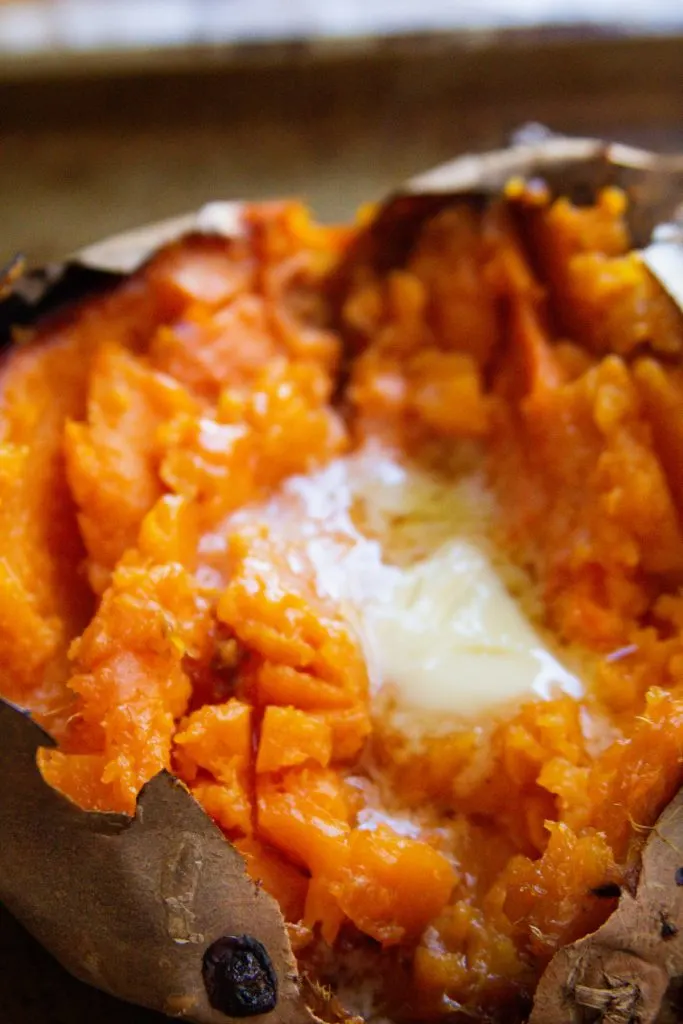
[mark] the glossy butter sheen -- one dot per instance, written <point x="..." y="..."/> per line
<point x="405" y="554"/>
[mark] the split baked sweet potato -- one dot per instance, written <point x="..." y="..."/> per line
<point x="180" y="458"/>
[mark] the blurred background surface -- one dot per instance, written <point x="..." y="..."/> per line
<point x="117" y="112"/>
<point x="114" y="113"/>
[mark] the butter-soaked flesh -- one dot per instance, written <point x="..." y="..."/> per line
<point x="405" y="554"/>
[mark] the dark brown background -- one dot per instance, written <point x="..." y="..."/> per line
<point x="35" y="990"/>
<point x="81" y="158"/>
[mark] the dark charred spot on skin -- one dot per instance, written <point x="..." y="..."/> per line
<point x="607" y="891"/>
<point x="678" y="877"/>
<point x="667" y="929"/>
<point x="239" y="977"/>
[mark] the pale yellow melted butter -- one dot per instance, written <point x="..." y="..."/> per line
<point x="405" y="554"/>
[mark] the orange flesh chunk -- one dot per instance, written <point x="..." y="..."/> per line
<point x="112" y="460"/>
<point x="290" y="737"/>
<point x="393" y="887"/>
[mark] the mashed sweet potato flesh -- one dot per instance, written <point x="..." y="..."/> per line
<point x="151" y="617"/>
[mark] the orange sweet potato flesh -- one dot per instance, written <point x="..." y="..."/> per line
<point x="290" y="737"/>
<point x="151" y="619"/>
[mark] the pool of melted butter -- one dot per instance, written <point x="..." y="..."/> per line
<point x="405" y="553"/>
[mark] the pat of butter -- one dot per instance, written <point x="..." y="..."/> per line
<point x="449" y="637"/>
<point x="404" y="554"/>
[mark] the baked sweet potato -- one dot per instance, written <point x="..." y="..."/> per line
<point x="260" y="493"/>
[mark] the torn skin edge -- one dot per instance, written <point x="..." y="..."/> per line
<point x="576" y="168"/>
<point x="623" y="970"/>
<point x="27" y="295"/>
<point x="571" y="166"/>
<point x="130" y="905"/>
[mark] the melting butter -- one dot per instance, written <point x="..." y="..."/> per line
<point x="405" y="554"/>
<point x="449" y="637"/>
